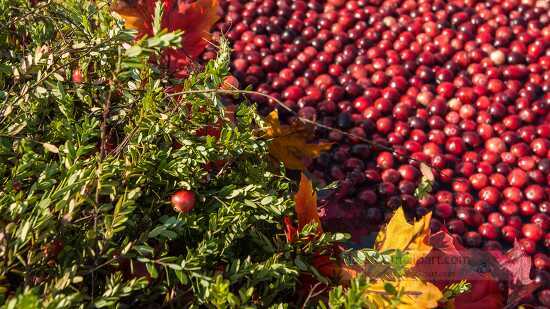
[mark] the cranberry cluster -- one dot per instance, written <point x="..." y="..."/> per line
<point x="461" y="85"/>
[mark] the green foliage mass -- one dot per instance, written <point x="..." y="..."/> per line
<point x="87" y="171"/>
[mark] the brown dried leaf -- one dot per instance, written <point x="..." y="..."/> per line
<point x="289" y="143"/>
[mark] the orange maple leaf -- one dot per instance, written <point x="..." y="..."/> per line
<point x="306" y="205"/>
<point x="306" y="211"/>
<point x="289" y="143"/>
<point x="334" y="268"/>
<point x="193" y="18"/>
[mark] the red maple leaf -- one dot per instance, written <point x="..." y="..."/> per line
<point x="449" y="262"/>
<point x="193" y="18"/>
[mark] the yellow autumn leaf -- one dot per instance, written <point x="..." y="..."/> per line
<point x="289" y="143"/>
<point x="416" y="294"/>
<point x="410" y="238"/>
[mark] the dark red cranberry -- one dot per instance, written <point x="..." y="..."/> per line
<point x="472" y="239"/>
<point x="443" y="210"/>
<point x="456" y="226"/>
<point x="374" y="215"/>
<point x="470" y="216"/>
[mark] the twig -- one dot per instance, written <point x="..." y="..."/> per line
<point x="104" y="127"/>
<point x="91" y="271"/>
<point x="311" y="295"/>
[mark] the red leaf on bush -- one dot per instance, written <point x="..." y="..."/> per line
<point x="290" y="230"/>
<point x="193" y="18"/>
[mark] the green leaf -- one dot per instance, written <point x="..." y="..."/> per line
<point x="134" y="51"/>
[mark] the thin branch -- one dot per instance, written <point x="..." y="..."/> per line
<point x="104" y="127"/>
<point x="312" y="295"/>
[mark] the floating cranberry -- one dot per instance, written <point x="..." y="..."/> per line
<point x="488" y="231"/>
<point x="495" y="145"/>
<point x="517" y="178"/>
<point x="510" y="233"/>
<point x="532" y="231"/>
<point x="534" y="193"/>
<point x="542" y="220"/>
<point x="490" y="195"/>
<point x="479" y="181"/>
<point x="443" y="210"/>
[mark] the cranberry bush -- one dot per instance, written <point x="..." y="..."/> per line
<point x="88" y="166"/>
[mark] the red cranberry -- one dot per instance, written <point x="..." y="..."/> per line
<point x="464" y="199"/>
<point x="508" y="208"/>
<point x="496" y="219"/>
<point x="541" y="261"/>
<point x="387" y="189"/>
<point x="532" y="231"/>
<point x="527" y="163"/>
<point x="515" y="221"/>
<point x="385" y="160"/>
<point x="390" y="175"/>
<point x="513" y="194"/>
<point x="540" y="146"/>
<point x="498" y="180"/>
<point x="510" y="233"/>
<point x="527" y="208"/>
<point x="544" y="207"/>
<point x="443" y="210"/>
<point x="456" y="227"/>
<point x="517" y="178"/>
<point x="460" y="185"/>
<point x="409" y="172"/>
<point x="479" y="181"/>
<point x="470" y="216"/>
<point x="534" y="193"/>
<point x="542" y="220"/>
<point x="483" y="207"/>
<point x="495" y="145"/>
<point x="488" y="231"/>
<point x="455" y="145"/>
<point x="490" y="194"/>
